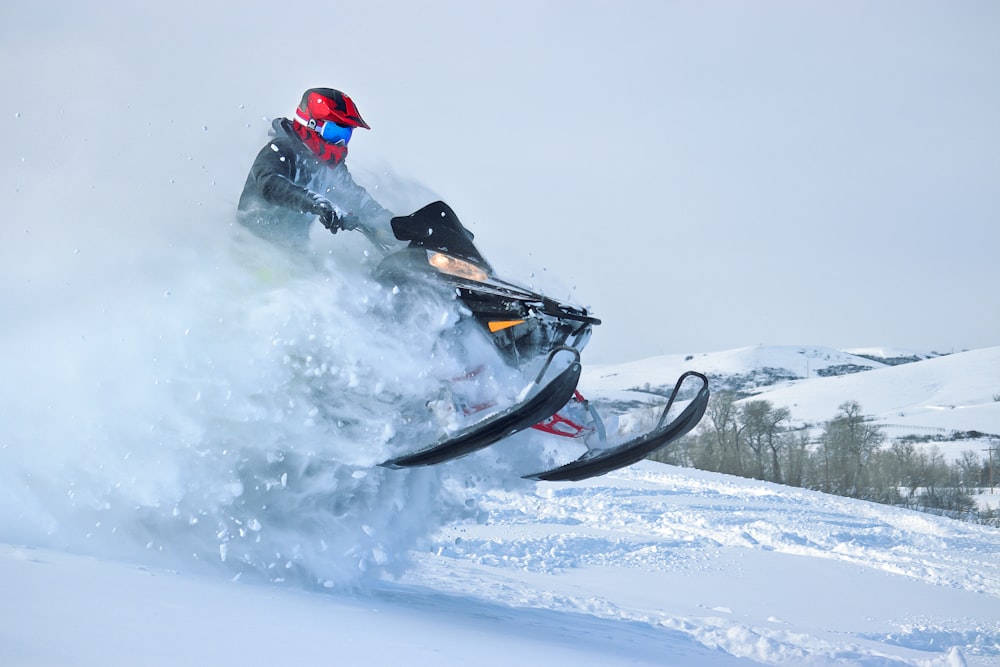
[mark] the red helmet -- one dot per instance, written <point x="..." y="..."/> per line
<point x="319" y="104"/>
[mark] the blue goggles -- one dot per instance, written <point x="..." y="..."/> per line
<point x="335" y="134"/>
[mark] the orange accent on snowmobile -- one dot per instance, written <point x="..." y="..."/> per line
<point x="505" y="324"/>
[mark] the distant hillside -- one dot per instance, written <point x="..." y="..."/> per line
<point x="892" y="357"/>
<point x="749" y="370"/>
<point x="953" y="397"/>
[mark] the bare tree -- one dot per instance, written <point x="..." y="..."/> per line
<point x="847" y="447"/>
<point x="762" y="434"/>
<point x="723" y="432"/>
<point x="753" y="416"/>
<point x="798" y="459"/>
<point x="970" y="468"/>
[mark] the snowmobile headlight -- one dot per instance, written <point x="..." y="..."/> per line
<point x="456" y="267"/>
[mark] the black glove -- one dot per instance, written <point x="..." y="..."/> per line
<point x="327" y="214"/>
<point x="350" y="221"/>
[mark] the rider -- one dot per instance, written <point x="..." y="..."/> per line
<point x="300" y="174"/>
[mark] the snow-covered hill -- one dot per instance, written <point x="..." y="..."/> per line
<point x="907" y="392"/>
<point x="744" y="370"/>
<point x="957" y="392"/>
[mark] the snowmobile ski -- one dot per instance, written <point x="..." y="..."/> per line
<point x="540" y="404"/>
<point x="600" y="461"/>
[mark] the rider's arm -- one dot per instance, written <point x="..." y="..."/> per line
<point x="273" y="173"/>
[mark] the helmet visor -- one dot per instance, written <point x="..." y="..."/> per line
<point x="335" y="134"/>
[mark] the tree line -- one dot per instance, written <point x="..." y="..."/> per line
<point x="850" y="457"/>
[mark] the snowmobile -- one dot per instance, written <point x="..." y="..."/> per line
<point x="530" y="331"/>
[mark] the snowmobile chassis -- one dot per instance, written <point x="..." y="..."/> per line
<point x="523" y="325"/>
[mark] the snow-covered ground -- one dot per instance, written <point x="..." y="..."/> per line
<point x="649" y="566"/>
<point x="199" y="484"/>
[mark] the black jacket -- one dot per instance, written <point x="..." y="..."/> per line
<point x="279" y="196"/>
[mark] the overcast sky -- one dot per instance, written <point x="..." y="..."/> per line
<point x="706" y="175"/>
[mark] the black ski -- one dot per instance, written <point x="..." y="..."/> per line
<point x="540" y="405"/>
<point x="601" y="461"/>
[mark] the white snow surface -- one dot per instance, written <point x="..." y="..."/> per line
<point x="200" y="485"/>
<point x="648" y="566"/>
<point x="189" y="474"/>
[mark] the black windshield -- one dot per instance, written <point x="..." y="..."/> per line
<point x="436" y="227"/>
